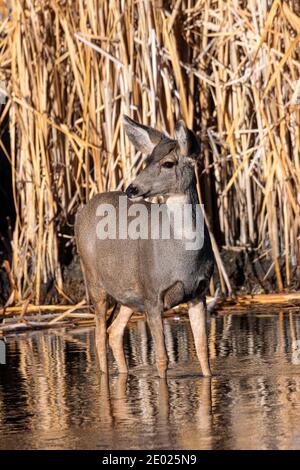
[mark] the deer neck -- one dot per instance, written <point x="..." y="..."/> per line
<point x="189" y="197"/>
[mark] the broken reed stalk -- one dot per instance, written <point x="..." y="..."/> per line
<point x="17" y="322"/>
<point x="41" y="308"/>
<point x="230" y="69"/>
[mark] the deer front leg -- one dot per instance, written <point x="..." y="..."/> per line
<point x="116" y="334"/>
<point x="154" y="318"/>
<point x="197" y="315"/>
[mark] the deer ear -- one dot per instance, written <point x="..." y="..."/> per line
<point x="187" y="141"/>
<point x="144" y="138"/>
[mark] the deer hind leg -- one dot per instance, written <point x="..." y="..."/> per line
<point x="100" y="334"/>
<point x="116" y="335"/>
<point x="154" y="318"/>
<point x="99" y="299"/>
<point x="197" y="315"/>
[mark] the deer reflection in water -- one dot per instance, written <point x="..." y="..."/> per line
<point x="52" y="395"/>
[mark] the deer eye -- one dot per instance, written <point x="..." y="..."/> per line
<point x="168" y="164"/>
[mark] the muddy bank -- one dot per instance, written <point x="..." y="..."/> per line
<point x="250" y="272"/>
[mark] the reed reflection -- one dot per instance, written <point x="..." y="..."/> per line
<point x="52" y="396"/>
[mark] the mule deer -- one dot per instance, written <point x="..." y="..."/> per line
<point x="148" y="275"/>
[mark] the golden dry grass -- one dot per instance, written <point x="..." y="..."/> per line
<point x="229" y="68"/>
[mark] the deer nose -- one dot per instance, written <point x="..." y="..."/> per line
<point x="132" y="191"/>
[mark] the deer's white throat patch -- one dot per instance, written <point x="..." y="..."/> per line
<point x="176" y="199"/>
<point x="180" y="207"/>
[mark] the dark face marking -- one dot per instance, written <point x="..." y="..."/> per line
<point x="165" y="147"/>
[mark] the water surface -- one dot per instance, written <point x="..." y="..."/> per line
<point x="52" y="396"/>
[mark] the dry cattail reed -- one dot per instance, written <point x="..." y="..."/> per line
<point x="230" y="69"/>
